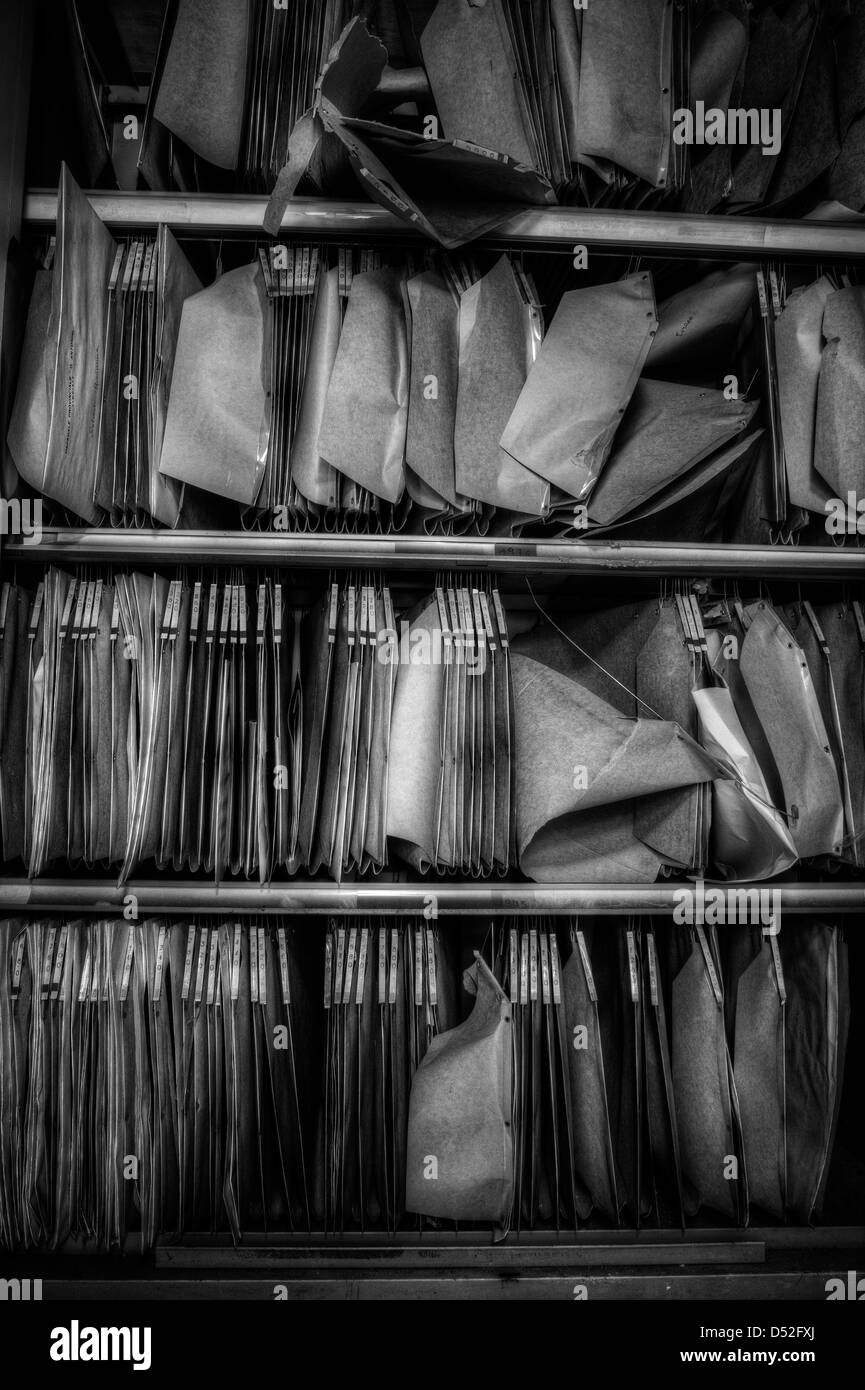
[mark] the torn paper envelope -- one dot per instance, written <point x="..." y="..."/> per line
<point x="216" y="430"/>
<point x="579" y="386"/>
<point x="667" y="430"/>
<point x="202" y="89"/>
<point x="496" y="350"/>
<point x="415" y="750"/>
<point x="577" y="756"/>
<point x="749" y="839"/>
<point x="62" y="464"/>
<point x="698" y="326"/>
<point x="839" y="444"/>
<point x="451" y="191"/>
<point x="363" y="428"/>
<point x="798" y="354"/>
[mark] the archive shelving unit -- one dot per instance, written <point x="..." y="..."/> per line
<point x="757" y="1263"/>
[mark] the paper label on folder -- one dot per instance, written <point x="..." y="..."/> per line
<point x="431" y="966"/>
<point x="283" y="965"/>
<point x="394" y="961"/>
<point x="211" y="966"/>
<point x="632" y="968"/>
<point x="350" y="958"/>
<point x="340" y="960"/>
<point x="235" y="963"/>
<point x="361" y="965"/>
<point x="262" y="967"/>
<point x="653" y="967"/>
<point x="587" y="967"/>
<point x="556" y="970"/>
<point x="253" y="964"/>
<point x="58" y="964"/>
<point x="328" y="970"/>
<point x="127" y="964"/>
<point x="160" y="965"/>
<point x="545" y="968"/>
<point x="18" y="964"/>
<point x="84" y="983"/>
<point x="200" y="968"/>
<point x="382" y="965"/>
<point x="187" y="969"/>
<point x="418" y="966"/>
<point x="47" y="961"/>
<point x="710" y="966"/>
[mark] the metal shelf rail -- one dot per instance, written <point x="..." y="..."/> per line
<point x="72" y="545"/>
<point x="665" y="233"/>
<point x="433" y="898"/>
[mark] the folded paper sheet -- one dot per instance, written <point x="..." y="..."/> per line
<point x="698" y="326"/>
<point x="798" y="352"/>
<point x="580" y="768"/>
<point x="497" y="344"/>
<point x="201" y="93"/>
<point x="216" y="431"/>
<point x="54" y="430"/>
<point x="429" y="451"/>
<point x="580" y="384"/>
<point x="363" y="427"/>
<point x="779" y="683"/>
<point x="667" y="430"/>
<point x="759" y="1058"/>
<point x="312" y="475"/>
<point x="706" y="1103"/>
<point x="749" y="839"/>
<point x="587" y="1066"/>
<point x="460" y="1114"/>
<point x="626" y="106"/>
<point x="839" y="443"/>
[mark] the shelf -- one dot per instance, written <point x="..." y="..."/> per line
<point x="800" y="1276"/>
<point x="201" y="1248"/>
<point x="664" y="233"/>
<point x="483" y="1257"/>
<point x="71" y="545"/>
<point x="436" y="897"/>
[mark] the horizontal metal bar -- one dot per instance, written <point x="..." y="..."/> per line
<point x="666" y="233"/>
<point x="691" y="1284"/>
<point x="772" y="1237"/>
<point x="72" y="545"/>
<point x="431" y="898"/>
<point x="483" y="1258"/>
